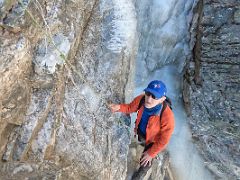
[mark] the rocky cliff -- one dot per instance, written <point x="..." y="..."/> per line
<point x="61" y="63"/>
<point x="212" y="85"/>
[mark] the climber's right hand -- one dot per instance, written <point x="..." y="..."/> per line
<point x="114" y="107"/>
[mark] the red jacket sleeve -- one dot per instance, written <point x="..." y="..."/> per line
<point x="132" y="107"/>
<point x="167" y="127"/>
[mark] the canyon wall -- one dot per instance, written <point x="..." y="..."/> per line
<point x="212" y="85"/>
<point x="62" y="62"/>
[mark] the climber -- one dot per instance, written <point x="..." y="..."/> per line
<point x="155" y="121"/>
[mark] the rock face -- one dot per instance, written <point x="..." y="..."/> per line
<point x="160" y="168"/>
<point x="212" y="85"/>
<point x="61" y="63"/>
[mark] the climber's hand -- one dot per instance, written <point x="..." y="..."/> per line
<point x="145" y="159"/>
<point x="114" y="107"/>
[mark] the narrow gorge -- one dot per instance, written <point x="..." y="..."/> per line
<point x="63" y="62"/>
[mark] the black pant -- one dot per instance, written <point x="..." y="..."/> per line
<point x="142" y="139"/>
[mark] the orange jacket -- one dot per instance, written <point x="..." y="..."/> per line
<point x="157" y="132"/>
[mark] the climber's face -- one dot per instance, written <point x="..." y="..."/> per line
<point x="151" y="101"/>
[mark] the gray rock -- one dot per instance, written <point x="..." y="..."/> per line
<point x="237" y="16"/>
<point x="58" y="73"/>
<point x="214" y="103"/>
<point x="15" y="90"/>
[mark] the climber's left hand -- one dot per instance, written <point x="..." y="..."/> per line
<point x="145" y="159"/>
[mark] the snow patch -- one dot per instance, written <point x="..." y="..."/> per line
<point x="91" y="97"/>
<point x="49" y="55"/>
<point x="23" y="168"/>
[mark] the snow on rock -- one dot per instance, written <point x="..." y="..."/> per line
<point x="49" y="55"/>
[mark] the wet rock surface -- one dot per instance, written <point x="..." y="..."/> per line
<point x="212" y="86"/>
